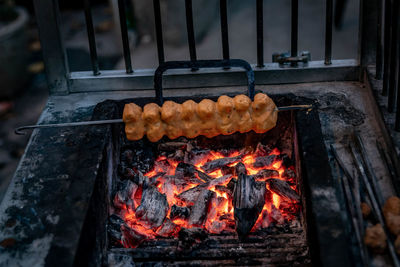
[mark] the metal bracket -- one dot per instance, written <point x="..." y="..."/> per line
<point x="285" y="58"/>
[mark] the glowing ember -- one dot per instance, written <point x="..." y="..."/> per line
<point x="183" y="184"/>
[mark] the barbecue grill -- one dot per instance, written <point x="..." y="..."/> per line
<point x="60" y="207"/>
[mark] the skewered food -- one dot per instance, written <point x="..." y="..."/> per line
<point x="208" y="118"/>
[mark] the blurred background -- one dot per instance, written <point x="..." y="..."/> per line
<point x="23" y="90"/>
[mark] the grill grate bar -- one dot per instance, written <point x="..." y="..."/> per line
<point x="386" y="44"/>
<point x="91" y="38"/>
<point x="328" y="32"/>
<point x="379" y="45"/>
<point x="124" y="34"/>
<point x="190" y="30"/>
<point x="224" y="29"/>
<point x="294" y="29"/>
<point x="159" y="36"/>
<point x="260" y="33"/>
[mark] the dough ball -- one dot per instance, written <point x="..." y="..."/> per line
<point x="151" y="113"/>
<point x="375" y="238"/>
<point x="132" y="112"/>
<point x="155" y="127"/>
<point x="242" y="102"/>
<point x="206" y="109"/>
<point x="171" y="114"/>
<point x="227" y="120"/>
<point x="264" y="115"/>
<point x="392" y="205"/>
<point x="225" y="104"/>
<point x="189" y="109"/>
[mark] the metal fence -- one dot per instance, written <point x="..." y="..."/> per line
<point x="378" y="44"/>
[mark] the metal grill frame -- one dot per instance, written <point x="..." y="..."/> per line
<point x="63" y="82"/>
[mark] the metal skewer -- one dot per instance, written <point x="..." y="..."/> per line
<point x="21" y="130"/>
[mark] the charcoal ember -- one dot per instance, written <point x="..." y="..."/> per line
<point x="190" y="237"/>
<point x="265" y="219"/>
<point x="127" y="173"/>
<point x="127" y="156"/>
<point x="289" y="174"/>
<point x="178" y="212"/>
<point x="231" y="185"/>
<point x="131" y="238"/>
<point x="228" y="170"/>
<point x="178" y="155"/>
<point x="213" y="225"/>
<point x="283" y="189"/>
<point x="286" y="160"/>
<point x="124" y="197"/>
<point x="153" y="208"/>
<point x="224" y="189"/>
<point x="167" y="229"/>
<point x="276" y="216"/>
<point x="219" y="163"/>
<point x="265" y="174"/>
<point x="181" y="182"/>
<point x="172" y="146"/>
<point x="262" y="150"/>
<point x="190" y="196"/>
<point x="189" y="170"/>
<point x="114" y="230"/>
<point x="200" y="209"/>
<point x="216" y="226"/>
<point x="248" y="201"/>
<point x="265" y="161"/>
<point x="158" y="175"/>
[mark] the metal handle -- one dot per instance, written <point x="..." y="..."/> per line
<point x="225" y="63"/>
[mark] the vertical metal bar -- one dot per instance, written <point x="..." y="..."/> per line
<point x="294" y="29"/>
<point x="159" y="36"/>
<point x="260" y="33"/>
<point x="386" y="49"/>
<point x="91" y="37"/>
<point x="394" y="57"/>
<point x="224" y="28"/>
<point x="328" y="32"/>
<point x="379" y="45"/>
<point x="367" y="34"/>
<point x="190" y="30"/>
<point x="124" y="34"/>
<point x="54" y="55"/>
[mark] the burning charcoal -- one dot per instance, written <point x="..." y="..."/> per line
<point x="276" y="216"/>
<point x="189" y="170"/>
<point x="289" y="174"/>
<point x="172" y="146"/>
<point x="283" y="189"/>
<point x="190" y="196"/>
<point x="153" y="208"/>
<point x="219" y="163"/>
<point x="189" y="237"/>
<point x="199" y="211"/>
<point x="224" y="189"/>
<point x="248" y="201"/>
<point x="286" y="160"/>
<point x="231" y="185"/>
<point x="158" y="175"/>
<point x="265" y="174"/>
<point x="168" y="228"/>
<point x="178" y="212"/>
<point x="218" y="181"/>
<point x="265" y="161"/>
<point x="127" y="173"/>
<point x="213" y="225"/>
<point x="228" y="170"/>
<point x="125" y="195"/>
<point x="262" y="150"/>
<point x="131" y="238"/>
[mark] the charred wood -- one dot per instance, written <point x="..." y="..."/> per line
<point x="189" y="237"/>
<point x="185" y="169"/>
<point x="265" y="174"/>
<point x="248" y="201"/>
<point x="283" y="189"/>
<point x="228" y="170"/>
<point x="178" y="212"/>
<point x="124" y="197"/>
<point x="153" y="208"/>
<point x="172" y="146"/>
<point x="199" y="211"/>
<point x="219" y="163"/>
<point x="168" y="228"/>
<point x="265" y="161"/>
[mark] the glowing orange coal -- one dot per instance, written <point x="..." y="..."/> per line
<point x="220" y="216"/>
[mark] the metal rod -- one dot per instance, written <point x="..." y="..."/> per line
<point x="91" y="37"/>
<point x="389" y="166"/>
<point x="159" y="35"/>
<point x="393" y="56"/>
<point x="260" y="33"/>
<point x="20" y="130"/>
<point x="397" y="121"/>
<point x="328" y="32"/>
<point x="224" y="28"/>
<point x="124" y="34"/>
<point x="375" y="205"/>
<point x="379" y="45"/>
<point x="294" y="29"/>
<point x="190" y="30"/>
<point x="386" y="47"/>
